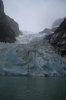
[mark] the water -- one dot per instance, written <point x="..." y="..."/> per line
<point x="32" y="88"/>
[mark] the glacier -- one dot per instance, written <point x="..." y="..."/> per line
<point x="31" y="55"/>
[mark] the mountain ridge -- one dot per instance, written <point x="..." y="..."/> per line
<point x="9" y="29"/>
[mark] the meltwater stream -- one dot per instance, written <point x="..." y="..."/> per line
<point x="30" y="55"/>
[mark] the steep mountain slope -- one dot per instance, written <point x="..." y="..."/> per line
<point x="9" y="29"/>
<point x="58" y="39"/>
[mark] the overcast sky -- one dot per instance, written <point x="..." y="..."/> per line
<point x="35" y="15"/>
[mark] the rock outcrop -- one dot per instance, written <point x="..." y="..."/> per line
<point x="46" y="30"/>
<point x="58" y="39"/>
<point x="9" y="29"/>
<point x="55" y="25"/>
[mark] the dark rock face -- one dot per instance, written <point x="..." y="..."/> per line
<point x="1" y="8"/>
<point x="9" y="29"/>
<point x="58" y="39"/>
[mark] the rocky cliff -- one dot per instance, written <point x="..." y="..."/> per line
<point x="58" y="39"/>
<point x="9" y="29"/>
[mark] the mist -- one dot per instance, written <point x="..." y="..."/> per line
<point x="35" y="15"/>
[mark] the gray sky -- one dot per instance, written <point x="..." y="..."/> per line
<point x="35" y="15"/>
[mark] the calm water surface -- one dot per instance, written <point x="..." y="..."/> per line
<point x="32" y="88"/>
